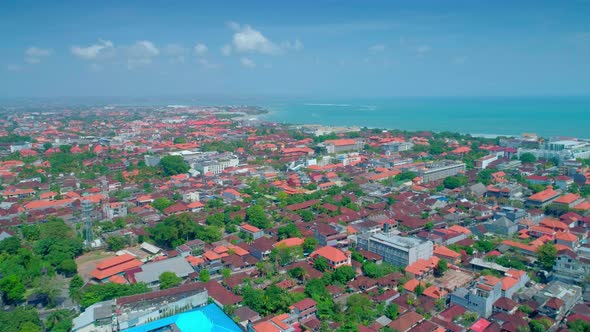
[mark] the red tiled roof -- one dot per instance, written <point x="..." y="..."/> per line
<point x="567" y="198"/>
<point x="544" y="195"/>
<point x="330" y="253"/>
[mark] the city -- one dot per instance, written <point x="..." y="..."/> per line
<point x="187" y="218"/>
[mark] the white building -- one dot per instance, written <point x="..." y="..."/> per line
<point x="396" y="250"/>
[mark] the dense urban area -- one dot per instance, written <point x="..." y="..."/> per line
<point x="156" y="218"/>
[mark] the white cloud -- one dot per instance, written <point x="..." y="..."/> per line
<point x="246" y="62"/>
<point x="201" y="49"/>
<point x="249" y="40"/>
<point x="34" y="54"/>
<point x="141" y="53"/>
<point x="226" y="50"/>
<point x="103" y="49"/>
<point x="377" y="48"/>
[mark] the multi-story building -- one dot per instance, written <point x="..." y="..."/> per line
<point x="346" y="144"/>
<point x="561" y="150"/>
<point x="480" y="297"/>
<point x="569" y="267"/>
<point x="440" y="170"/>
<point x="397" y="147"/>
<point x="396" y="250"/>
<point x="335" y="257"/>
<point x="214" y="163"/>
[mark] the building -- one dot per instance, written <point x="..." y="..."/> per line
<point x="214" y="164"/>
<point x="569" y="267"/>
<point x="252" y="230"/>
<point x="561" y="150"/>
<point x="393" y="147"/>
<point x="396" y="250"/>
<point x="542" y="198"/>
<point x="480" y="297"/>
<point x="114" y="266"/>
<point x="151" y="161"/>
<point x="335" y="257"/>
<point x="137" y="310"/>
<point x="484" y="162"/>
<point x="440" y="170"/>
<point x="150" y="273"/>
<point x="346" y="144"/>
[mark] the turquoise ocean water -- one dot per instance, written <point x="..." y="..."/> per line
<point x="545" y="116"/>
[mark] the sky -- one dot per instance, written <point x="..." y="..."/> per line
<point x="316" y="48"/>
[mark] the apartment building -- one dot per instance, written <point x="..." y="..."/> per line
<point x="440" y="170"/>
<point x="396" y="250"/>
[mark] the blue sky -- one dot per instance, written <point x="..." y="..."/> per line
<point x="311" y="48"/>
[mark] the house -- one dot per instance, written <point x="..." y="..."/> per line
<point x="502" y="226"/>
<point x="261" y="248"/>
<point x="252" y="230"/>
<point x="328" y="235"/>
<point x="304" y="308"/>
<point x="335" y="257"/>
<point x="563" y="182"/>
<point x="569" y="200"/>
<point x="537" y="179"/>
<point x="480" y="296"/>
<point x="114" y="266"/>
<point x="569" y="267"/>
<point x="542" y="198"/>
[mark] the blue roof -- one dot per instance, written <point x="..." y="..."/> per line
<point x="207" y="319"/>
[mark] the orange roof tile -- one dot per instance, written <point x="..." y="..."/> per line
<point x="567" y="198"/>
<point x="250" y="228"/>
<point x="330" y="253"/>
<point x="110" y="262"/>
<point x="101" y="274"/>
<point x="544" y="195"/>
<point x="444" y="251"/>
<point x="563" y="236"/>
<point x="508" y="282"/>
<point x="117" y="279"/>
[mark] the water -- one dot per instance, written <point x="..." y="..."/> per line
<point x="545" y="116"/>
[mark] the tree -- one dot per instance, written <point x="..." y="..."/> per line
<point x="547" y="254"/>
<point x="343" y="274"/>
<point x="161" y="203"/>
<point x="579" y="325"/>
<point x="429" y="226"/>
<point x="204" y="275"/>
<point x="169" y="280"/>
<point x="10" y="245"/>
<point x="116" y="243"/>
<point x="288" y="231"/>
<point x="75" y="285"/>
<point x="20" y="319"/>
<point x="298" y="273"/>
<point x="173" y="165"/>
<point x="59" y="321"/>
<point x="316" y="289"/>
<point x="306" y="215"/>
<point x="256" y="216"/>
<point x="453" y="182"/>
<point x="392" y="311"/>
<point x="527" y="158"/>
<point x="226" y="273"/>
<point x="484" y="246"/>
<point x="179" y="140"/>
<point x="12" y="288"/>
<point x="441" y="267"/>
<point x="320" y="264"/>
<point x="68" y="267"/>
<point x="309" y="244"/>
<point x="419" y="289"/>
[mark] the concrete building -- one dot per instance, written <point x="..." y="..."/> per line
<point x="480" y="297"/>
<point x="342" y="145"/>
<point x="396" y="250"/>
<point x="560" y="149"/>
<point x="216" y="164"/>
<point x="393" y="147"/>
<point x="440" y="170"/>
<point x="150" y="273"/>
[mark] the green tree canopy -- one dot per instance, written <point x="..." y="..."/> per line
<point x="169" y="279"/>
<point x="173" y="165"/>
<point x="546" y="255"/>
<point x="527" y="158"/>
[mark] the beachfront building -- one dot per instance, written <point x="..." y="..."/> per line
<point x="561" y="150"/>
<point x="342" y="145"/>
<point x="396" y="250"/>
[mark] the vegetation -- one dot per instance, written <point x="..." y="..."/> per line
<point x="173" y="165"/>
<point x="169" y="280"/>
<point x="102" y="292"/>
<point x="546" y="255"/>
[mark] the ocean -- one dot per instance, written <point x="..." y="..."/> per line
<point x="544" y="116"/>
